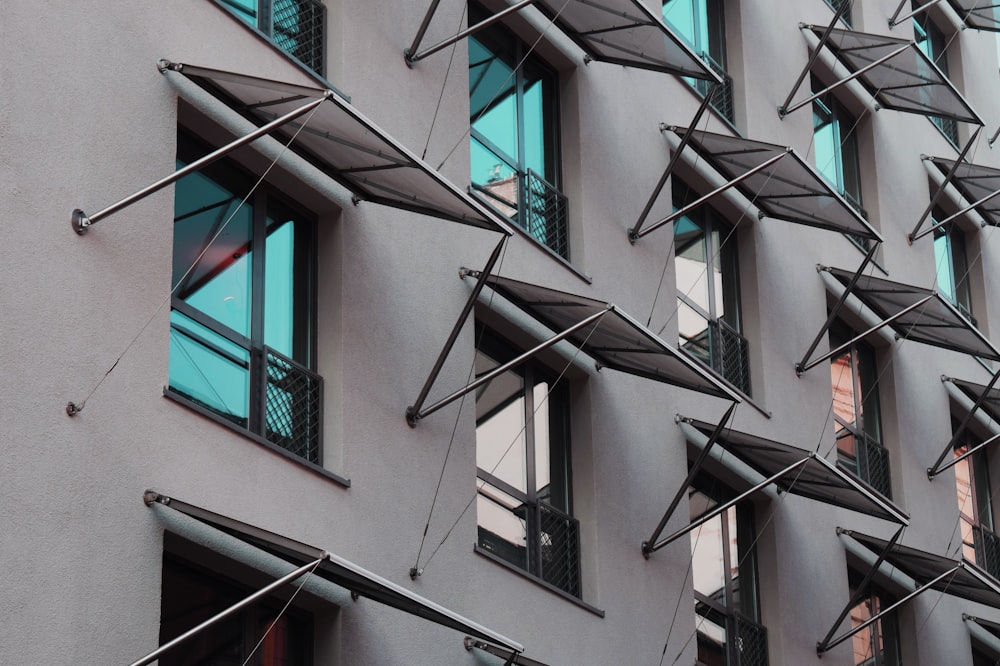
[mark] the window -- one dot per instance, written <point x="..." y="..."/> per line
<point x="836" y="146"/>
<point x="878" y="645"/>
<point x="980" y="543"/>
<point x="296" y="26"/>
<point x="856" y="415"/>
<point x="191" y="595"/>
<point x="701" y="23"/>
<point x="242" y="316"/>
<point x="523" y="456"/>
<point x="514" y="136"/>
<point x="952" y="265"/>
<point x="708" y="300"/>
<point x="835" y="5"/>
<point x="724" y="571"/>
<point x="932" y="42"/>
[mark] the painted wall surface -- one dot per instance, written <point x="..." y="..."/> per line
<point x="86" y="118"/>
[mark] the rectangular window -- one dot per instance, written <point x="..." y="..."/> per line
<point x="932" y="42"/>
<point x="242" y="317"/>
<point x="835" y="5"/>
<point x="259" y="635"/>
<point x="980" y="543"/>
<point x="514" y="136"/>
<point x="856" y="413"/>
<point x="702" y="24"/>
<point x="952" y="265"/>
<point x="524" y="509"/>
<point x="708" y="299"/>
<point x="724" y="571"/>
<point x="878" y="645"/>
<point x="298" y="27"/>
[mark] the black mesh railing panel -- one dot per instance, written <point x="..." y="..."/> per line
<point x="722" y="100"/>
<point x="948" y="127"/>
<point x="751" y="643"/>
<point x="547" y="214"/>
<point x="292" y="399"/>
<point x="874" y="460"/>
<point x="987" y="550"/>
<point x="299" y="27"/>
<point x="560" y="549"/>
<point x="731" y="355"/>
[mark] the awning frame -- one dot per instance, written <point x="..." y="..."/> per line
<point x="914" y="235"/>
<point x="813" y="57"/>
<point x="938" y="467"/>
<point x="896" y="19"/>
<point x="510" y="657"/>
<point x="411" y="55"/>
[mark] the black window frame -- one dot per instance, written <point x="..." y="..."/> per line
<point x="550" y="505"/>
<point x="263" y="20"/>
<point x="269" y="372"/>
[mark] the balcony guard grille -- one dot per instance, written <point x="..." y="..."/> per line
<point x="299" y="28"/>
<point x="948" y="127"/>
<point x="560" y="549"/>
<point x="751" y="642"/>
<point x="987" y="550"/>
<point x="547" y="214"/>
<point x="722" y="100"/>
<point x="292" y="400"/>
<point x="873" y="461"/>
<point x="730" y="354"/>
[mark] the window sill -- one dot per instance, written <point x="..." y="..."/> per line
<point x="257" y="439"/>
<point x="537" y="581"/>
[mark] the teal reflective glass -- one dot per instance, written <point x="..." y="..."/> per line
<point x="689" y="21"/>
<point x="945" y="266"/>
<point x="247" y="9"/>
<point x="535" y="108"/>
<point x="282" y="273"/>
<point x="493" y="98"/>
<point x="212" y="258"/>
<point x="489" y="170"/>
<point x="208" y="369"/>
<point x="826" y="145"/>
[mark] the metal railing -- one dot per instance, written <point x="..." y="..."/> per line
<point x="546" y="215"/>
<point x="948" y="127"/>
<point x="292" y="404"/>
<point x="730" y="354"/>
<point x="750" y="642"/>
<point x="987" y="550"/>
<point x="722" y="100"/>
<point x="559" y="546"/>
<point x="298" y="28"/>
<point x="873" y="463"/>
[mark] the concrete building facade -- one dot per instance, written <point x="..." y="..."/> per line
<point x="245" y="342"/>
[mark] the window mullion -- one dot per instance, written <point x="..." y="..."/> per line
<point x="257" y="360"/>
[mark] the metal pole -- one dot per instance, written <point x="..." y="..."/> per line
<point x="846" y="79"/>
<point x="958" y="459"/>
<point x="81" y="221"/>
<point x="413" y="57"/>
<point x="633" y="233"/>
<point x="812" y="58"/>
<point x="871" y="330"/>
<point x="820" y="649"/>
<point x="836" y="309"/>
<point x="646" y="550"/>
<point x="722" y="507"/>
<point x="284" y="580"/>
<point x="994" y="137"/>
<point x="896" y="19"/>
<point x="417" y="415"/>
<point x="421" y="30"/>
<point x="940" y="191"/>
<point x="960" y="213"/>
<point x="934" y="470"/>
<point x="413" y="410"/>
<point x="722" y="188"/>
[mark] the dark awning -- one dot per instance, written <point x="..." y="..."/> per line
<point x="908" y="81"/>
<point x="986" y="633"/>
<point x="979" y="14"/>
<point x="510" y="658"/>
<point x="990" y="401"/>
<point x="935" y="322"/>
<point x="338" y="571"/>
<point x="817" y="479"/>
<point x="618" y="341"/>
<point x="346" y="146"/>
<point x="975" y="183"/>
<point x="789" y="189"/>
<point x="961" y="577"/>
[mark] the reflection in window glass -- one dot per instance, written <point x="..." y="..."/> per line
<point x="952" y="264"/>
<point x="878" y="644"/>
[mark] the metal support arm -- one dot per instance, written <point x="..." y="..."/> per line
<point x="896" y="19"/>
<point x="81" y="222"/>
<point x="284" y="580"/>
<point x="844" y="6"/>
<point x="412" y="56"/>
<point x="937" y="467"/>
<point x="912" y="236"/>
<point x="647" y="549"/>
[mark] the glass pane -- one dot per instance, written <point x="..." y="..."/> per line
<point x="863" y="641"/>
<point x="543" y="454"/>
<point x="284" y="288"/>
<point x="502" y="525"/>
<point x="691" y="263"/>
<point x="500" y="442"/>
<point x="694" y="335"/>
<point x="945" y="267"/>
<point x="826" y="145"/>
<point x="247" y="9"/>
<point x="707" y="563"/>
<point x="847" y="451"/>
<point x="492" y="98"/>
<point x="494" y="177"/>
<point x="843" y="381"/>
<point x="535" y="133"/>
<point x="689" y="21"/>
<point x="711" y="639"/>
<point x="211" y="259"/>
<point x="214" y="373"/>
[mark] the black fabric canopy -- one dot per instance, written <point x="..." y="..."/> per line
<point x="991" y="402"/>
<point x="618" y="341"/>
<point x="345" y="145"/>
<point x="937" y="322"/>
<point x="975" y="182"/>
<point x="790" y="189"/>
<point x="979" y="14"/>
<point x="908" y="81"/>
<point x="339" y="571"/>
<point x="818" y="479"/>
